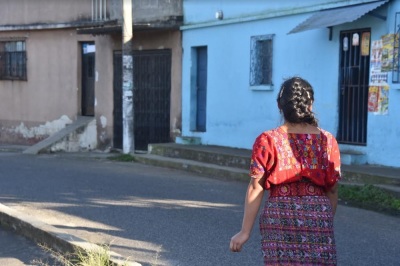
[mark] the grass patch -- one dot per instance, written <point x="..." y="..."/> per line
<point x="96" y="257"/>
<point x="369" y="197"/>
<point x="123" y="158"/>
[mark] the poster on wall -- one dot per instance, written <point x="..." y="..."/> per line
<point x="378" y="100"/>
<point x="376" y="56"/>
<point x="387" y="52"/>
<point x="373" y="95"/>
<point x="377" y="78"/>
<point x="383" y="100"/>
<point x="365" y="43"/>
<point x="381" y="62"/>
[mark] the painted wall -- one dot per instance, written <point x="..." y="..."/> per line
<point x="202" y="12"/>
<point x="167" y="40"/>
<point x="47" y="96"/>
<point x="384" y="130"/>
<point x="51" y="97"/>
<point x="103" y="88"/>
<point x="54" y="11"/>
<point x="104" y="106"/>
<point x="236" y="114"/>
<point x="61" y="11"/>
<point x="146" y="11"/>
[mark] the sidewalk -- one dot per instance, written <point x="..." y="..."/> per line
<point x="35" y="224"/>
<point x="18" y="251"/>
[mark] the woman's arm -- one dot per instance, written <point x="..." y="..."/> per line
<point x="332" y="194"/>
<point x="254" y="196"/>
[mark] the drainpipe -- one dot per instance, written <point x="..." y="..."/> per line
<point x="128" y="140"/>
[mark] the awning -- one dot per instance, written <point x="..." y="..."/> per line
<point x="337" y="16"/>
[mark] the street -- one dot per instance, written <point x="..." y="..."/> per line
<point x="160" y="216"/>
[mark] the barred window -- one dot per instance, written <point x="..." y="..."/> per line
<point x="261" y="60"/>
<point x="12" y="60"/>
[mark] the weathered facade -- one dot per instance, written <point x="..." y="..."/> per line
<point x="62" y="59"/>
<point x="237" y="55"/>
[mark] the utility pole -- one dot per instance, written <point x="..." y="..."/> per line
<point x="128" y="139"/>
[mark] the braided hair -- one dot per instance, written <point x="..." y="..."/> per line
<point x="295" y="99"/>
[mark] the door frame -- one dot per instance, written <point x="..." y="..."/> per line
<point x="354" y="70"/>
<point x="88" y="79"/>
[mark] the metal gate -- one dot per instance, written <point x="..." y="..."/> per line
<point x="201" y="85"/>
<point x="151" y="98"/>
<point x="353" y="87"/>
<point x="117" y="111"/>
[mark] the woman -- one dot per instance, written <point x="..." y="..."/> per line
<point x="299" y="163"/>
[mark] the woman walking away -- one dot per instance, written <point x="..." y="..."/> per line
<point x="299" y="163"/>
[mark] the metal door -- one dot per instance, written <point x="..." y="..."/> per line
<point x="88" y="79"/>
<point x="353" y="87"/>
<point x="201" y="89"/>
<point x="117" y="110"/>
<point x="151" y="97"/>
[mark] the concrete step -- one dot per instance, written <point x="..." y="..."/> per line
<point x="44" y="145"/>
<point x="353" y="158"/>
<point x="232" y="163"/>
<point x="371" y="174"/>
<point x="201" y="168"/>
<point x="236" y="158"/>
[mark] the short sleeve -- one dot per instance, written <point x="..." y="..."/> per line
<point x="334" y="173"/>
<point x="261" y="158"/>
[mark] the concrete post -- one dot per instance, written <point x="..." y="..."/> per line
<point x="128" y="139"/>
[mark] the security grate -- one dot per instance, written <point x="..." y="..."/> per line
<point x="353" y="90"/>
<point x="13" y="60"/>
<point x="152" y="89"/>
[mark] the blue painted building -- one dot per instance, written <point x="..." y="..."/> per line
<point x="237" y="53"/>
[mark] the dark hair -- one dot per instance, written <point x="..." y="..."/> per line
<point x="294" y="100"/>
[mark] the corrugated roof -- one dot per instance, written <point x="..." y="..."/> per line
<point x="337" y="16"/>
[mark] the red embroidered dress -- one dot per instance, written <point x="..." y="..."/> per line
<point x="287" y="157"/>
<point x="296" y="224"/>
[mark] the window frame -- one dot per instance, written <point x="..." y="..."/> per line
<point x="258" y="63"/>
<point x="13" y="59"/>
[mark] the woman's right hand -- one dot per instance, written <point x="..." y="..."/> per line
<point x="238" y="240"/>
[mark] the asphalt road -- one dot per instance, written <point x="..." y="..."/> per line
<point x="166" y="217"/>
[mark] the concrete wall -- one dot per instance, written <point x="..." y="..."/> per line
<point x="236" y="114"/>
<point x="44" y="11"/>
<point x="104" y="103"/>
<point x="167" y="40"/>
<point x="50" y="95"/>
<point x="105" y="45"/>
<point x="145" y="11"/>
<point x="50" y="99"/>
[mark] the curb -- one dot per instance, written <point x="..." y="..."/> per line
<point x="386" y="182"/>
<point x="52" y="237"/>
<point x="203" y="169"/>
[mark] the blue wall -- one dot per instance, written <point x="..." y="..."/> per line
<point x="236" y="114"/>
